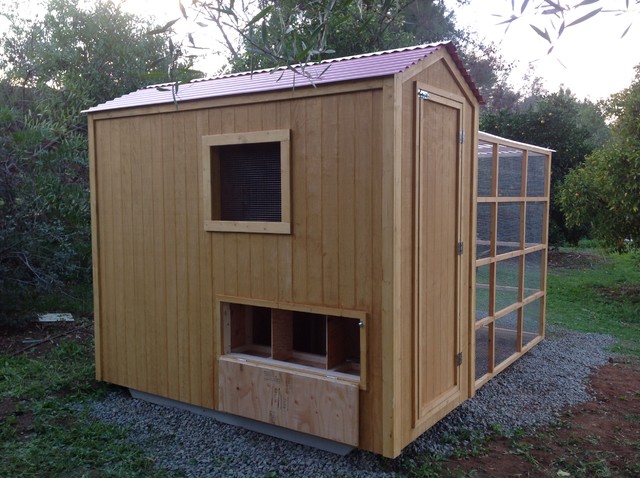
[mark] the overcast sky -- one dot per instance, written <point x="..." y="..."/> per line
<point x="590" y="59"/>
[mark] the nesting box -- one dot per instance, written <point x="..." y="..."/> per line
<point x="299" y="249"/>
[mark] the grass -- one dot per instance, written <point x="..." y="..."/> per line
<point x="47" y="433"/>
<point x="603" y="298"/>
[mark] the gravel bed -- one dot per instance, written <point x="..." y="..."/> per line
<point x="529" y="393"/>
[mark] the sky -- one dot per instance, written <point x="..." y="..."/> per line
<point x="590" y="58"/>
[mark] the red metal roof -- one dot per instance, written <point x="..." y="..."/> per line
<point x="358" y="67"/>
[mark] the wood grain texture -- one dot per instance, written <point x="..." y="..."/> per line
<point x="301" y="402"/>
<point x="437" y="281"/>
<point x="353" y="246"/>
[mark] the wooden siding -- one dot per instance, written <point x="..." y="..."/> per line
<point x="159" y="271"/>
<point x="159" y="275"/>
<point x="439" y="75"/>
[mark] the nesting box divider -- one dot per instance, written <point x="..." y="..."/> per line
<point x="281" y="334"/>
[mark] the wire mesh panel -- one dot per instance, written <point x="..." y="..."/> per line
<point x="509" y="219"/>
<point x="534" y="231"/>
<point x="485" y="169"/>
<point x="507" y="283"/>
<point x="511" y="251"/>
<point x="483" y="236"/>
<point x="510" y="161"/>
<point x="533" y="273"/>
<point x="250" y="182"/>
<point x="482" y="351"/>
<point x="506" y="337"/>
<point x="536" y="171"/>
<point x="531" y="318"/>
<point x="483" y="292"/>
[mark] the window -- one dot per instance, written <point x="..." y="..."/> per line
<point x="247" y="182"/>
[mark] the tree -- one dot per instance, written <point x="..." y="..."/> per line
<point x="604" y="192"/>
<point x="560" y="122"/>
<point x="50" y="69"/>
<point x="352" y="28"/>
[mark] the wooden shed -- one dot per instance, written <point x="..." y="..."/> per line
<point x="300" y="249"/>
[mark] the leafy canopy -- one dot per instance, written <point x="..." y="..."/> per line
<point x="51" y="68"/>
<point x="604" y="192"/>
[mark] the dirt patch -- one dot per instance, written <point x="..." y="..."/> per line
<point x="599" y="438"/>
<point x="574" y="260"/>
<point x="38" y="338"/>
<point x="10" y="414"/>
<point x="629" y="292"/>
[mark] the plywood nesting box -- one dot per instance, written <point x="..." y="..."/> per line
<point x="306" y="256"/>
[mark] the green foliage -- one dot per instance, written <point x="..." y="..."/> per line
<point x="558" y="121"/>
<point x="604" y="192"/>
<point x="79" y="55"/>
<point x="51" y="68"/>
<point x="286" y="34"/>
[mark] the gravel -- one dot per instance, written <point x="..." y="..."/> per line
<point x="530" y="393"/>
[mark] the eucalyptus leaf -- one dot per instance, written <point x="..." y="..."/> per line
<point x="163" y="29"/>
<point x="543" y="34"/>
<point x="585" y="17"/>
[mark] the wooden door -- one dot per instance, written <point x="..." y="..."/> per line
<point x="437" y="242"/>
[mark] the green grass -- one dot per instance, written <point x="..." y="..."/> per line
<point x="603" y="298"/>
<point x="47" y="434"/>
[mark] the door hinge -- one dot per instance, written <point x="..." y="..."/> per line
<point x="423" y="94"/>
<point x="459" y="359"/>
<point x="462" y="136"/>
<point x="460" y="248"/>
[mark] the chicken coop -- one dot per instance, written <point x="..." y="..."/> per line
<point x="300" y="249"/>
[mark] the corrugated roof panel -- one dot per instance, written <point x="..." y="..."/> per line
<point x="370" y="65"/>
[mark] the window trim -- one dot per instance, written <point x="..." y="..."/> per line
<point x="271" y="136"/>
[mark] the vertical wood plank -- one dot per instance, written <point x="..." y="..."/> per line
<point x="206" y="313"/>
<point x="231" y="275"/>
<point x="106" y="321"/>
<point x="346" y="200"/>
<point x="182" y="271"/>
<point x="138" y="249"/>
<point x="158" y="250"/>
<point x="281" y="334"/>
<point x="95" y="248"/>
<point x="129" y="326"/>
<point x="253" y="122"/>
<point x="217" y="270"/>
<point x="365" y="148"/>
<point x="172" y="358"/>
<point x="314" y="109"/>
<point x="277" y="248"/>
<point x="298" y="243"/>
<point x="391" y="149"/>
<point x="193" y="182"/>
<point x="330" y="207"/>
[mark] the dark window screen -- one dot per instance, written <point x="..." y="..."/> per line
<point x="250" y="183"/>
